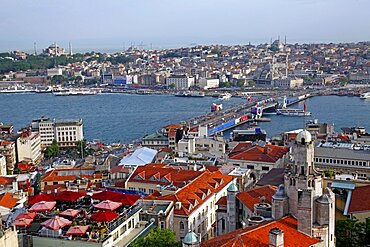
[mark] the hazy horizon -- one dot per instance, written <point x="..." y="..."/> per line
<point x="113" y="24"/>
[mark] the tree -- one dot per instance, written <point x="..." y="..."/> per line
<point x="351" y="232"/>
<point x="343" y="81"/>
<point x="52" y="150"/>
<point x="157" y="238"/>
<point x="172" y="86"/>
<point x="240" y="83"/>
<point x="57" y="79"/>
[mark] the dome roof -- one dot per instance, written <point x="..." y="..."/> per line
<point x="304" y="134"/>
<point x="324" y="199"/>
<point x="280" y="193"/>
<point x="232" y="188"/>
<point x="190" y="238"/>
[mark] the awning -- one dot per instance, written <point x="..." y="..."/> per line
<point x="69" y="196"/>
<point x="104" y="216"/>
<point x="40" y="197"/>
<point x="56" y="223"/>
<point x="77" y="230"/>
<point x="42" y="206"/>
<point x="70" y="213"/>
<point x="108" y="205"/>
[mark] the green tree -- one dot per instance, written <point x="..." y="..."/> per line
<point x="52" y="150"/>
<point x="172" y="86"/>
<point x="240" y="83"/>
<point x="158" y="238"/>
<point x="351" y="232"/>
<point x="343" y="81"/>
<point x="251" y="83"/>
<point x="57" y="79"/>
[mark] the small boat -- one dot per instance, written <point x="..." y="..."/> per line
<point x="43" y="90"/>
<point x="292" y="112"/>
<point x="225" y="96"/>
<point x="197" y="94"/>
<point x="182" y="94"/>
<point x="365" y="95"/>
<point x="215" y="107"/>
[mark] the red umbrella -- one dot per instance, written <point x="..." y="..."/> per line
<point x="70" y="212"/>
<point x="56" y="223"/>
<point x="26" y="215"/>
<point x="42" y="206"/>
<point x="69" y="196"/>
<point x="104" y="216"/>
<point x="108" y="205"/>
<point x="108" y="195"/>
<point x="22" y="222"/>
<point x="77" y="230"/>
<point x="129" y="200"/>
<point x="40" y="197"/>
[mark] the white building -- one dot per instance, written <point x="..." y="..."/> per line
<point x="2" y="165"/>
<point x="181" y="82"/>
<point x="29" y="147"/>
<point x="65" y="132"/>
<point x="68" y="132"/>
<point x="207" y="83"/>
<point x="54" y="71"/>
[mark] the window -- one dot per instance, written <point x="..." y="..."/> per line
<point x="182" y="226"/>
<point x="265" y="168"/>
<point x="251" y="167"/>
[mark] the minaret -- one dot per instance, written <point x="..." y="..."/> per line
<point x="70" y="48"/>
<point x="35" y="48"/>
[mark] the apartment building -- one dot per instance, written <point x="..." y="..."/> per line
<point x="29" y="147"/>
<point x="180" y="82"/>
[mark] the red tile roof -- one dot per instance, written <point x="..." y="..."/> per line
<point x="258" y="236"/>
<point x="7" y="180"/>
<point x="159" y="174"/>
<point x="173" y="126"/>
<point x="117" y="169"/>
<point x="222" y="201"/>
<point x="269" y="153"/>
<point x="252" y="196"/>
<point x="212" y="168"/>
<point x="360" y="200"/>
<point x="198" y="191"/>
<point x="7" y="200"/>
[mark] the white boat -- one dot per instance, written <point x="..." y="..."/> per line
<point x="43" y="90"/>
<point x="75" y="92"/>
<point x="197" y="94"/>
<point x="224" y="96"/>
<point x="17" y="89"/>
<point x="365" y="95"/>
<point x="292" y="112"/>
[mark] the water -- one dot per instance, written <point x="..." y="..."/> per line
<point x="125" y="117"/>
<point x="109" y="117"/>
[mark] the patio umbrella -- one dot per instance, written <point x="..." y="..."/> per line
<point x="42" y="206"/>
<point x="104" y="216"/>
<point x="40" y="197"/>
<point x="69" y="196"/>
<point x="108" y="205"/>
<point x="56" y="223"/>
<point x="108" y="195"/>
<point x="129" y="200"/>
<point x="77" y="230"/>
<point x="22" y="222"/>
<point x="70" y="212"/>
<point x="26" y="215"/>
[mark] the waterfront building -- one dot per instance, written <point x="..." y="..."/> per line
<point x="156" y="140"/>
<point x="207" y="83"/>
<point x="6" y="129"/>
<point x="29" y="147"/>
<point x="68" y="132"/>
<point x="260" y="159"/>
<point x="180" y="82"/>
<point x="7" y="148"/>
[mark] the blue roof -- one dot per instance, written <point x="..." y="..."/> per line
<point x="341" y="185"/>
<point x="190" y="238"/>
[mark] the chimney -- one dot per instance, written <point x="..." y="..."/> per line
<point x="276" y="237"/>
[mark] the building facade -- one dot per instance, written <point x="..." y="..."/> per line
<point x="29" y="147"/>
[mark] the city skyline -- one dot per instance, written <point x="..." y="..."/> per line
<point x="165" y="24"/>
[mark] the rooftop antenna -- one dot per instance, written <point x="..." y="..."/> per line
<point x="124" y="46"/>
<point x="285" y="40"/>
<point x="35" y="48"/>
<point x="286" y="65"/>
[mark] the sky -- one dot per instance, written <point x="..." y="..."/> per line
<point x="106" y="25"/>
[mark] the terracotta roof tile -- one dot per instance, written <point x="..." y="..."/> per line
<point x="269" y="153"/>
<point x="252" y="196"/>
<point x="359" y="202"/>
<point x="188" y="195"/>
<point x="258" y="236"/>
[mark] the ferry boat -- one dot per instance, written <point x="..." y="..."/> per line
<point x="225" y="96"/>
<point x="365" y="95"/>
<point x="77" y="92"/>
<point x="17" y="89"/>
<point x="292" y="112"/>
<point x="250" y="134"/>
<point x="43" y="90"/>
<point x="215" y="107"/>
<point x="182" y="94"/>
<point x="197" y="94"/>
